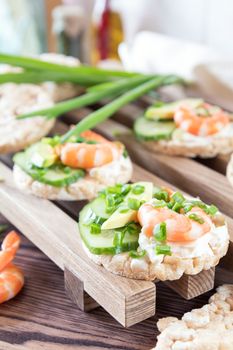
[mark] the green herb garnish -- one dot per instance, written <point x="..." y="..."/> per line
<point x="138" y="189"/>
<point x="159" y="204"/>
<point x="95" y="229"/>
<point x="134" y="204"/>
<point x="137" y="255"/>
<point x="161" y="194"/>
<point x="197" y="218"/>
<point x="163" y="249"/>
<point x="160" y="232"/>
<point x="178" y="197"/>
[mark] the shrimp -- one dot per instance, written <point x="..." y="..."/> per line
<point x="179" y="227"/>
<point x="11" y="277"/>
<point x="86" y="156"/>
<point x="201" y="125"/>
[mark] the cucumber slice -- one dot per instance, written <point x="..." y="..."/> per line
<point x="151" y="130"/>
<point x="105" y="242"/>
<point x="167" y="110"/>
<point x="99" y="208"/>
<point x="56" y="175"/>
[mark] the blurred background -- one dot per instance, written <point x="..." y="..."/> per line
<point x="146" y="35"/>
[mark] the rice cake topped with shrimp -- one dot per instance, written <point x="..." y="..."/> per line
<point x="16" y="99"/>
<point x="144" y="232"/>
<point x="187" y="128"/>
<point x="75" y="170"/>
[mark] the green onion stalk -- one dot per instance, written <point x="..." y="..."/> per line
<point x="39" y="65"/>
<point x="89" y="98"/>
<point x="32" y="77"/>
<point x="108" y="110"/>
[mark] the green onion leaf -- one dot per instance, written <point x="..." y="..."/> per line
<point x="138" y="189"/>
<point x="197" y="218"/>
<point x="109" y="109"/>
<point x="160" y="232"/>
<point x="95" y="229"/>
<point x="137" y="255"/>
<point x="163" y="249"/>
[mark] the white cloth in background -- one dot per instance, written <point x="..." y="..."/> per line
<point x="156" y="53"/>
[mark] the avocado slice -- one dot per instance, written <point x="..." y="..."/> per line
<point x="120" y="218"/>
<point x="167" y="110"/>
<point x="41" y="155"/>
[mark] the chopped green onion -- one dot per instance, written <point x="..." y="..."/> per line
<point x="132" y="228"/>
<point x="138" y="189"/>
<point x="197" y="218"/>
<point x="125" y="153"/>
<point x="99" y="220"/>
<point x="95" y="229"/>
<point x="3" y="228"/>
<point x="187" y="207"/>
<point x="137" y="255"/>
<point x="212" y="210"/>
<point x="178" y="197"/>
<point x="160" y="232"/>
<point x="124" y="210"/>
<point x="134" y="204"/>
<point x="159" y="204"/>
<point x="118" y="238"/>
<point x="161" y="194"/>
<point x="125" y="189"/>
<point x="177" y="207"/>
<point x="163" y="249"/>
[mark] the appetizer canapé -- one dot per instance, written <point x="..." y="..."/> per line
<point x="16" y="99"/>
<point x="210" y="327"/>
<point x="75" y="170"/>
<point x="145" y="232"/>
<point x="188" y="128"/>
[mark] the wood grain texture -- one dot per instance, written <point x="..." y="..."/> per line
<point x="74" y="288"/>
<point x="42" y="317"/>
<point x="190" y="287"/>
<point x="57" y="236"/>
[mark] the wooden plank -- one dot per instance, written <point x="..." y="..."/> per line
<point x="57" y="236"/>
<point x="139" y="174"/>
<point x="75" y="290"/>
<point x="190" y="287"/>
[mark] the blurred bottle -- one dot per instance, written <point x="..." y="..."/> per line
<point x="69" y="27"/>
<point x="107" y="31"/>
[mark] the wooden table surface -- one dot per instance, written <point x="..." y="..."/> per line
<point x="42" y="317"/>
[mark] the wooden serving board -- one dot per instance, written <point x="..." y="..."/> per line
<point x="55" y="232"/>
<point x="51" y="226"/>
